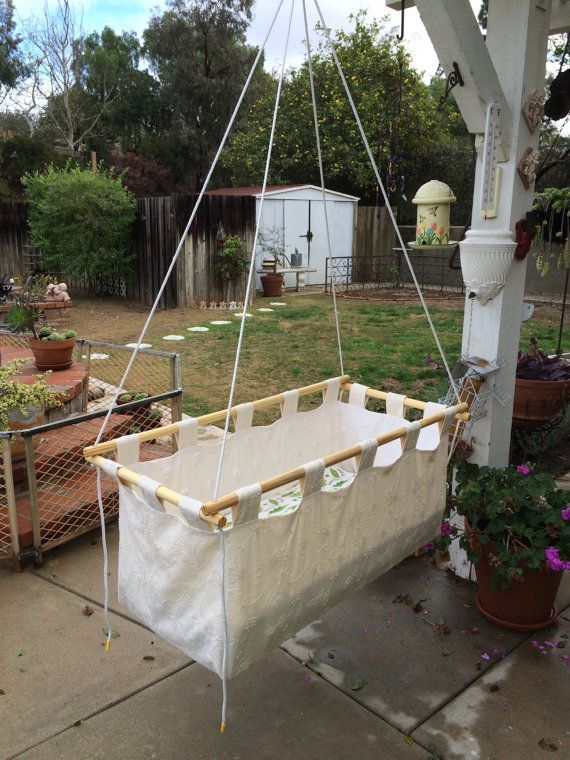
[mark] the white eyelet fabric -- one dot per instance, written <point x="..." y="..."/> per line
<point x="243" y="416"/>
<point x="285" y="562"/>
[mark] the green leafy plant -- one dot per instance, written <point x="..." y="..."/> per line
<point x="521" y="514"/>
<point x="81" y="220"/>
<point x="233" y="258"/>
<point x="16" y="395"/>
<point x="25" y="315"/>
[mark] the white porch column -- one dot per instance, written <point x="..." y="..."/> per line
<point x="517" y="39"/>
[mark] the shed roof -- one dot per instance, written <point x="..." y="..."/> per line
<point x="277" y="190"/>
<point x="251" y="190"/>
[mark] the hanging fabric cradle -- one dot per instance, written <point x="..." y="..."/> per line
<point x="313" y="506"/>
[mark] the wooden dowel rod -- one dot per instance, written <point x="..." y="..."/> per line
<point x="207" y="419"/>
<point x="231" y="499"/>
<point x="162" y="492"/>
<point x="413" y="403"/>
<point x="210" y="509"/>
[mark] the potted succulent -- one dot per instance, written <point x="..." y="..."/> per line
<point x="52" y="350"/>
<point x="517" y="532"/>
<point x="542" y="387"/>
<point x="22" y="405"/>
<point x="145" y="415"/>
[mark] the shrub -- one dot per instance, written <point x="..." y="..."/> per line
<point x="233" y="258"/>
<point x="81" y="220"/>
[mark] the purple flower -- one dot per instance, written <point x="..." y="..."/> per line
<point x="485" y="656"/>
<point x="430" y="546"/>
<point x="523" y="469"/>
<point x="445" y="529"/>
<point x="565" y="514"/>
<point x="553" y="559"/>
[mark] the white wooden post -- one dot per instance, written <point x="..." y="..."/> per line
<point x="516" y="44"/>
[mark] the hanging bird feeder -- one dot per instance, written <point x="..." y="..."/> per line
<point x="433" y="200"/>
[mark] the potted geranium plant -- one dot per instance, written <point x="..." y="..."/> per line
<point x="542" y="387"/>
<point x="517" y="533"/>
<point x="53" y="350"/>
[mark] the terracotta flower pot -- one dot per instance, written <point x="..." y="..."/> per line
<point x="528" y="603"/>
<point x="52" y="354"/>
<point x="272" y="284"/>
<point x="536" y="402"/>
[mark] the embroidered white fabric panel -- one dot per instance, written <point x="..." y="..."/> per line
<point x="284" y="569"/>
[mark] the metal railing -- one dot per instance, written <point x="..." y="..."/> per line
<point x="50" y="496"/>
<point x="365" y="275"/>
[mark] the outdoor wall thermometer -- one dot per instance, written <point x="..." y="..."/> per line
<point x="491" y="172"/>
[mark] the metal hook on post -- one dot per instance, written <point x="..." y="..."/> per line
<point x="400" y="36"/>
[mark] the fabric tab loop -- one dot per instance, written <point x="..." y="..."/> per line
<point x="128" y="449"/>
<point x="243" y="417"/>
<point x="357" y="395"/>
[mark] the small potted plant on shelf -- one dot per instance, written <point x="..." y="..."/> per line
<point x="272" y="279"/>
<point x="542" y="387"/>
<point x="22" y="405"/>
<point x="517" y="533"/>
<point x="53" y="350"/>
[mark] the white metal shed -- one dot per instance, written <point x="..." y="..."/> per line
<point x="294" y="215"/>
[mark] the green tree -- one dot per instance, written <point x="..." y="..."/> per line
<point x="11" y="63"/>
<point x="112" y="74"/>
<point x="398" y="112"/>
<point x="81" y="220"/>
<point x="197" y="50"/>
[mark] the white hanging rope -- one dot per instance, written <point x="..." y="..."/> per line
<point x="236" y="367"/>
<point x="252" y="262"/>
<point x="384" y="195"/>
<point x="179" y="248"/>
<point x="322" y="179"/>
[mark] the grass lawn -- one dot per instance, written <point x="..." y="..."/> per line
<point x="384" y="344"/>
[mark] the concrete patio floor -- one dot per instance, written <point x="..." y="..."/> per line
<point x="373" y="678"/>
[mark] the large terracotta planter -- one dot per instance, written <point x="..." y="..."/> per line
<point x="52" y="354"/>
<point x="272" y="284"/>
<point x="528" y="603"/>
<point x="536" y="402"/>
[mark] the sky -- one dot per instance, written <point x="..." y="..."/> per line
<point x="133" y="15"/>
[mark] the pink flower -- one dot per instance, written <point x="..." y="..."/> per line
<point x="553" y="559"/>
<point x="523" y="469"/>
<point x="565" y="513"/>
<point x="445" y="529"/>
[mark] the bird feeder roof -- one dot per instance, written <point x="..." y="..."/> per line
<point x="434" y="192"/>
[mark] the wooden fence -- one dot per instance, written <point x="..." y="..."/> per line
<point x="13" y="238"/>
<point x="161" y="221"/>
<point x="158" y="227"/>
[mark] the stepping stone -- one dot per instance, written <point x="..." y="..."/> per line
<point x="266" y="310"/>
<point x="240" y="313"/>
<point x="142" y="345"/>
<point x="173" y="337"/>
<point x="277" y="303"/>
<point x="221" y="322"/>
<point x="99" y="356"/>
<point x="198" y="329"/>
